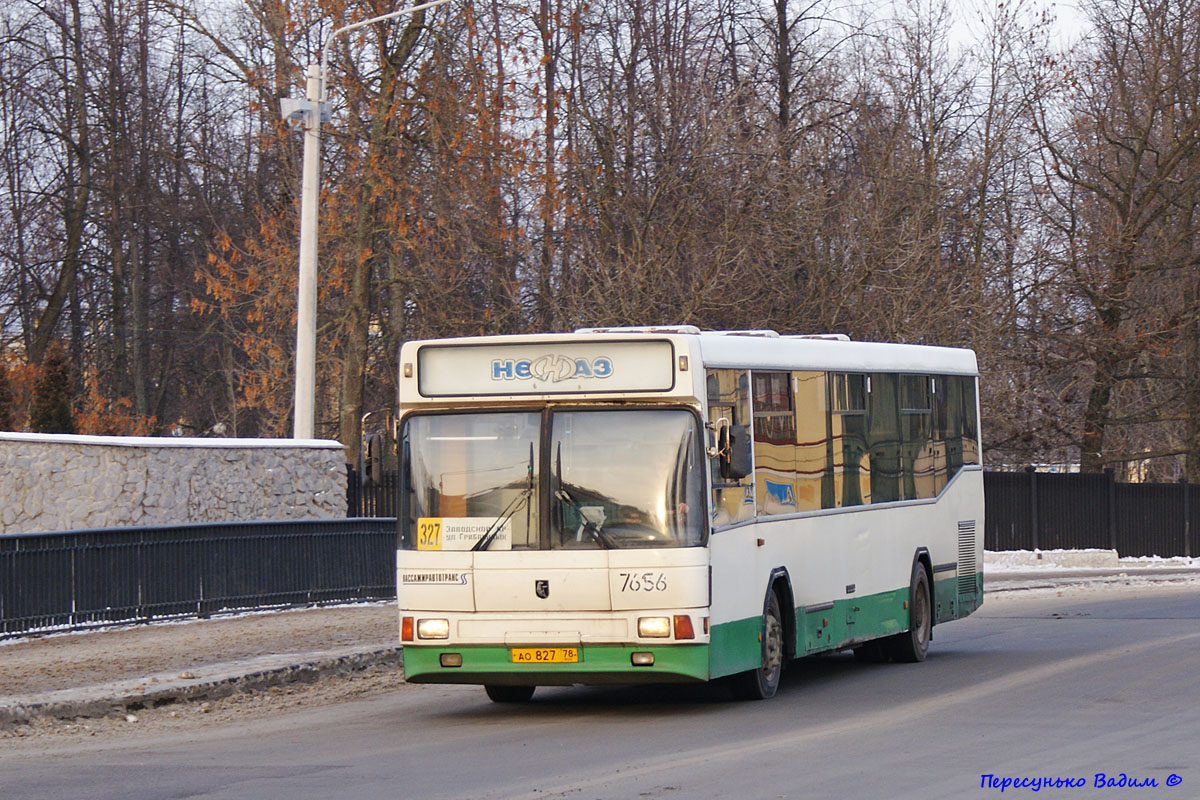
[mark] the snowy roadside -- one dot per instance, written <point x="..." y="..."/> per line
<point x="1029" y="569"/>
<point x="126" y="669"/>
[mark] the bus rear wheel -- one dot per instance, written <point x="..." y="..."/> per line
<point x="912" y="646"/>
<point x="508" y="694"/>
<point x="762" y="683"/>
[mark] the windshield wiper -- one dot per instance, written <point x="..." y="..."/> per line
<point x="498" y="525"/>
<point x="585" y="525"/>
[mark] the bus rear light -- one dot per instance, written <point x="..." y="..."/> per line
<point x="433" y="629"/>
<point x="683" y="627"/>
<point x="654" y="627"/>
<point x="642" y="659"/>
<point x="406" y="629"/>
<point x="706" y="626"/>
<point x="450" y="659"/>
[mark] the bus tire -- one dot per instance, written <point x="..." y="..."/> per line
<point x="762" y="683"/>
<point x="912" y="646"/>
<point x="508" y="694"/>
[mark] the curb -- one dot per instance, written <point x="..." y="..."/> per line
<point x="1018" y="580"/>
<point x="121" y="703"/>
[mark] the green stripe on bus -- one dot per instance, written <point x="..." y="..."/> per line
<point x="853" y="619"/>
<point x="597" y="664"/>
<point x="949" y="604"/>
<point x="736" y="646"/>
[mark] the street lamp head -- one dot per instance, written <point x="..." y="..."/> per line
<point x="293" y="110"/>
<point x="311" y="113"/>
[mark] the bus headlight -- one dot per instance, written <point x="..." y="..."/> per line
<point x="654" y="627"/>
<point x="433" y="629"/>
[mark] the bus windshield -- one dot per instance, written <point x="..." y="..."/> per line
<point x="610" y="479"/>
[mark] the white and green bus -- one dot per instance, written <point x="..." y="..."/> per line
<point x="636" y="505"/>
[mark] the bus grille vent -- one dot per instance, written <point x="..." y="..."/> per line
<point x="966" y="557"/>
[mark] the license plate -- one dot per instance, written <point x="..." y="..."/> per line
<point x="545" y="655"/>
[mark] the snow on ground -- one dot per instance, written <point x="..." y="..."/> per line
<point x="1083" y="570"/>
<point x="1052" y="560"/>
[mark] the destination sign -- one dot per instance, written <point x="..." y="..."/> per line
<point x="546" y="368"/>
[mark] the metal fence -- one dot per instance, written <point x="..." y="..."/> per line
<point x="78" y="579"/>
<point x="371" y="498"/>
<point x="1037" y="510"/>
<point x="1024" y="511"/>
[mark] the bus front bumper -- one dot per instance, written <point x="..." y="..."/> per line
<point x="596" y="664"/>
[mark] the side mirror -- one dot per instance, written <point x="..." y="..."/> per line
<point x="374" y="459"/>
<point x="735" y="460"/>
<point x="732" y="449"/>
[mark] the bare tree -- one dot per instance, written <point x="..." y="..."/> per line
<point x="1116" y="183"/>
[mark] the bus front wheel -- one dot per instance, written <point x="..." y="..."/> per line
<point x="761" y="683"/>
<point x="912" y="645"/>
<point x="508" y="694"/>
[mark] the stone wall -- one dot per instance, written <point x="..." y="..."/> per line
<point x="51" y="482"/>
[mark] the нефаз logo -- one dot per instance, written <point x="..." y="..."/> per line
<point x="553" y="368"/>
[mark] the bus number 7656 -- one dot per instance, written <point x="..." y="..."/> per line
<point x="643" y="581"/>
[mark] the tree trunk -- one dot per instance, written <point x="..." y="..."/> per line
<point x="1095" y="413"/>
<point x="75" y="194"/>
<point x="356" y="317"/>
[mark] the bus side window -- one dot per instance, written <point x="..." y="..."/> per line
<point x="814" y="442"/>
<point x="952" y="433"/>
<point x="957" y="424"/>
<point x="916" y="449"/>
<point x="970" y="422"/>
<point x="883" y="425"/>
<point x="729" y="399"/>
<point x="774" y="443"/>
<point x="851" y="465"/>
<point x="793" y="455"/>
<point x="937" y="431"/>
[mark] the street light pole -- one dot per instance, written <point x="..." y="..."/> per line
<point x="311" y="112"/>
<point x="306" y="300"/>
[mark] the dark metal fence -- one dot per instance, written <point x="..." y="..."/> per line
<point x="1024" y="511"/>
<point x="371" y="498"/>
<point x="77" y="579"/>
<point x="1048" y="511"/>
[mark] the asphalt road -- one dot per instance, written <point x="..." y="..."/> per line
<point x="1037" y="685"/>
